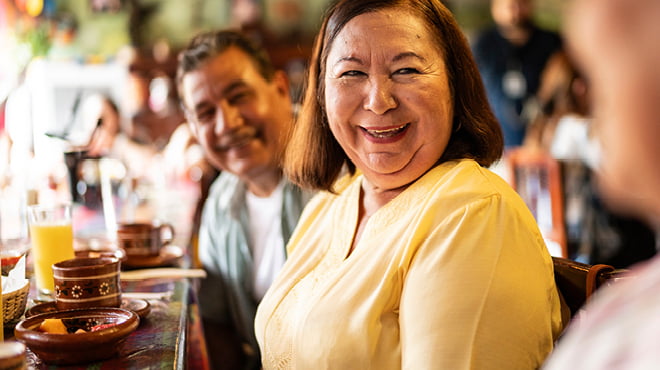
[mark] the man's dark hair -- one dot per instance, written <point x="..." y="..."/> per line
<point x="207" y="45"/>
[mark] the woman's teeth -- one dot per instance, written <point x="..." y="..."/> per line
<point x="386" y="133"/>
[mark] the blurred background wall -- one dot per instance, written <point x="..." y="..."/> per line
<point x="127" y="49"/>
<point x="104" y="26"/>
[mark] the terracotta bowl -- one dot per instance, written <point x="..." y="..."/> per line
<point x="90" y="346"/>
<point x="141" y="307"/>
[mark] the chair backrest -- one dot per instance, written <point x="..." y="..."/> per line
<point x="536" y="176"/>
<point x="578" y="281"/>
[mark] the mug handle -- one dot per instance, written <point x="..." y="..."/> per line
<point x="166" y="227"/>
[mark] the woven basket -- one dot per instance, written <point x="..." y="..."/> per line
<point x="14" y="303"/>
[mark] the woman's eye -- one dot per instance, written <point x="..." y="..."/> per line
<point x="406" y="71"/>
<point x="352" y="73"/>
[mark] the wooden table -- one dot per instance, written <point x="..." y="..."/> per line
<point x="170" y="337"/>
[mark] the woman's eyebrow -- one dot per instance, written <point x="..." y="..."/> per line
<point x="398" y="57"/>
<point x="349" y="58"/>
<point x="407" y="54"/>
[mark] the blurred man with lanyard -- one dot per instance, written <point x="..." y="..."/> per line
<point x="511" y="56"/>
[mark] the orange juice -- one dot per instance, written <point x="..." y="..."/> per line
<point x="2" y="320"/>
<point x="51" y="243"/>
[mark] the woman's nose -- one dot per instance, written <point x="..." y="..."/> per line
<point x="379" y="97"/>
<point x="228" y="118"/>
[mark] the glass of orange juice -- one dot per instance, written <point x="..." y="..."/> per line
<point x="51" y="233"/>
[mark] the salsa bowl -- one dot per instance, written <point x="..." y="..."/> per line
<point x="92" y="334"/>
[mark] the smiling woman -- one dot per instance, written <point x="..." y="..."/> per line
<point x="389" y="108"/>
<point x="396" y="132"/>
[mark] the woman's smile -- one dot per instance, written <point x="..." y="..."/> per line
<point x="382" y="135"/>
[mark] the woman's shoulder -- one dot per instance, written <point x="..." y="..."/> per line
<point x="467" y="175"/>
<point x="464" y="181"/>
<point x="342" y="186"/>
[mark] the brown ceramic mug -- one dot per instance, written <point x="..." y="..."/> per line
<point x="12" y="355"/>
<point x="144" y="239"/>
<point x="87" y="282"/>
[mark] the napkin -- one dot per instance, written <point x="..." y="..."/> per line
<point x="16" y="278"/>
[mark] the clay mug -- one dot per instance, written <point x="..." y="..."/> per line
<point x="87" y="282"/>
<point x="12" y="355"/>
<point x="144" y="239"/>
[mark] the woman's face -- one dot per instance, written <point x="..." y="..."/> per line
<point x="387" y="97"/>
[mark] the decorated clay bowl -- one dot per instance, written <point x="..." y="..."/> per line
<point x="93" y="334"/>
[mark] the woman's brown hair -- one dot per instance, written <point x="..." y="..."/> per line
<point x="314" y="159"/>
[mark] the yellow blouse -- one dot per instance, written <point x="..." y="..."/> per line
<point x="451" y="274"/>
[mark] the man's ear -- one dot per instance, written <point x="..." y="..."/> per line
<point x="190" y="120"/>
<point x="281" y="81"/>
<point x="192" y="126"/>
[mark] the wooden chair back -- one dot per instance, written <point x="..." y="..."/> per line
<point x="536" y="176"/>
<point x="577" y="281"/>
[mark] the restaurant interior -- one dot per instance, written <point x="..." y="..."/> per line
<point x="70" y="67"/>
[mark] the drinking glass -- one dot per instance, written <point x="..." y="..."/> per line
<point x="51" y="233"/>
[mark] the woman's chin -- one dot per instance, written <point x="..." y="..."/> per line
<point x="391" y="180"/>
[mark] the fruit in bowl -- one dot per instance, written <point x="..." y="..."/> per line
<point x="77" y="336"/>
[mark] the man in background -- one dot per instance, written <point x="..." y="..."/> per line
<point x="239" y="109"/>
<point x="511" y="56"/>
<point x="615" y="45"/>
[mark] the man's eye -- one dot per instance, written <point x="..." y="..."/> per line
<point x="238" y="98"/>
<point x="206" y="115"/>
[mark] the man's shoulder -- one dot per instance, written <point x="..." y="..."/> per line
<point x="223" y="189"/>
<point x="224" y="183"/>
<point x="547" y="36"/>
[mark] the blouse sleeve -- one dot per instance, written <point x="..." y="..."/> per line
<point x="480" y="292"/>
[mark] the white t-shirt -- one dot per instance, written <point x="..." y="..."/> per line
<point x="265" y="238"/>
<point x="572" y="141"/>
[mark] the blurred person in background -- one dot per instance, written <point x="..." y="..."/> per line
<point x="101" y="121"/>
<point x="104" y="135"/>
<point x="615" y="45"/>
<point x="413" y="255"/>
<point x="152" y="101"/>
<point x="511" y="56"/>
<point x="564" y="128"/>
<point x="239" y="109"/>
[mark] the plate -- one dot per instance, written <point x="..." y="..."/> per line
<point x="140" y="306"/>
<point x="168" y="256"/>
